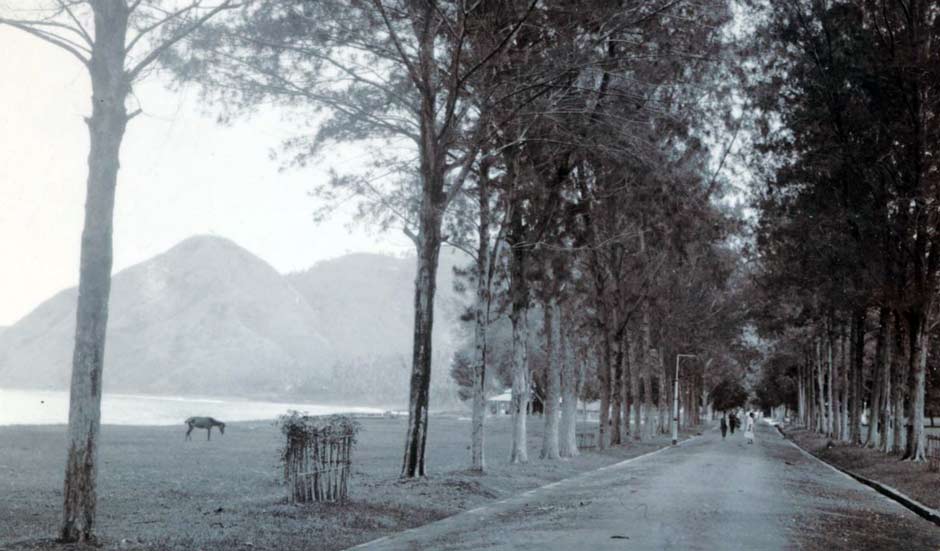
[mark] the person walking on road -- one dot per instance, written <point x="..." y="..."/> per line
<point x="749" y="429"/>
<point x="733" y="422"/>
<point x="724" y="427"/>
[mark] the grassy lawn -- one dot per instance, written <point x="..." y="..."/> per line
<point x="910" y="478"/>
<point x="158" y="492"/>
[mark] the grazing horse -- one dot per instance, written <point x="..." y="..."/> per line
<point x="203" y="423"/>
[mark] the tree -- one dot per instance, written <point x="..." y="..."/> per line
<point x="389" y="71"/>
<point x="729" y="394"/>
<point x="851" y="92"/>
<point x="778" y="386"/>
<point x="118" y="42"/>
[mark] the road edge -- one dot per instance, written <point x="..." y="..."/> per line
<point x="492" y="504"/>
<point x="928" y="513"/>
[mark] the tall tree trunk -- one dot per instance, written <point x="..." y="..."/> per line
<point x="801" y="394"/>
<point x="569" y="392"/>
<point x="814" y="408"/>
<point x="603" y="378"/>
<point x="820" y="390"/>
<point x="919" y="339"/>
<point x="844" y="359"/>
<point x="106" y="128"/>
<point x="429" y="246"/>
<point x="550" y="449"/>
<point x="897" y="367"/>
<point x="520" y="366"/>
<point x="810" y="383"/>
<point x="432" y="170"/>
<point x="887" y="425"/>
<point x="665" y="396"/>
<point x="648" y="361"/>
<point x="616" y="430"/>
<point x="875" y="423"/>
<point x="706" y="406"/>
<point x="625" y="396"/>
<point x="481" y="322"/>
<point x="858" y="359"/>
<point x="636" y="369"/>
<point x="835" y="382"/>
<point x="830" y="410"/>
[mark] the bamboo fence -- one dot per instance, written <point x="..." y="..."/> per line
<point x="933" y="452"/>
<point x="316" y="466"/>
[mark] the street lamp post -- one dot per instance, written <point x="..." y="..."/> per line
<point x="675" y="400"/>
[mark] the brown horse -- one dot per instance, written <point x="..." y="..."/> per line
<point x="203" y="423"/>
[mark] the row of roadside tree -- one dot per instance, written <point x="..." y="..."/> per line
<point x="845" y="105"/>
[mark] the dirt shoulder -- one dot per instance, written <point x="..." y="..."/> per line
<point x="912" y="479"/>
<point x="158" y="492"/>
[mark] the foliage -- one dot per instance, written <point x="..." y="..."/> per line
<point x="296" y="424"/>
<point x="777" y="385"/>
<point x="729" y="394"/>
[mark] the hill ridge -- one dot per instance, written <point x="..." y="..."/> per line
<point x="208" y="316"/>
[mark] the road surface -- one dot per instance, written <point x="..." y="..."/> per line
<point x="705" y="494"/>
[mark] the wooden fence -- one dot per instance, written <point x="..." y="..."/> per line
<point x="933" y="452"/>
<point x="316" y="467"/>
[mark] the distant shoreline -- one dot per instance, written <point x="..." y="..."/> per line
<point x="263" y="397"/>
<point x="50" y="407"/>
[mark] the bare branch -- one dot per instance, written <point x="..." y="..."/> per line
<point x="179" y="35"/>
<point x="78" y="25"/>
<point x="347" y="108"/>
<point x="159" y="23"/>
<point x="52" y="38"/>
<point x="468" y="161"/>
<point x="462" y="247"/>
<point x="724" y="157"/>
<point x="412" y="72"/>
<point x="411" y="235"/>
<point x="501" y="45"/>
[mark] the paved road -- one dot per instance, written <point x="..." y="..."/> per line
<point x="705" y="494"/>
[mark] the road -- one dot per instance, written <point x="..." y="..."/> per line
<point x="705" y="494"/>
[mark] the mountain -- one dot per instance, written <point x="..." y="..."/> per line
<point x="208" y="317"/>
<point x="205" y="317"/>
<point x="369" y="302"/>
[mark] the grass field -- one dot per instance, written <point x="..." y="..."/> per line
<point x="913" y="479"/>
<point x="158" y="492"/>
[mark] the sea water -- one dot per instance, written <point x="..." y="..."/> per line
<point x="47" y="407"/>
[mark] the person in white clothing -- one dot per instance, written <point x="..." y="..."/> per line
<point x="749" y="428"/>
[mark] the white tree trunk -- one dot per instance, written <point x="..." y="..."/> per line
<point x="520" y="386"/>
<point x="829" y="406"/>
<point x="887" y="436"/>
<point x="481" y="319"/>
<point x="106" y="128"/>
<point x="550" y="447"/>
<point x="616" y="389"/>
<point x="820" y="391"/>
<point x="844" y="370"/>
<point x="917" y="443"/>
<point x="625" y="396"/>
<point x="478" y="460"/>
<point x="635" y="368"/>
<point x="568" y="446"/>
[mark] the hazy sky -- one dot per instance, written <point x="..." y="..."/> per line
<point x="181" y="174"/>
